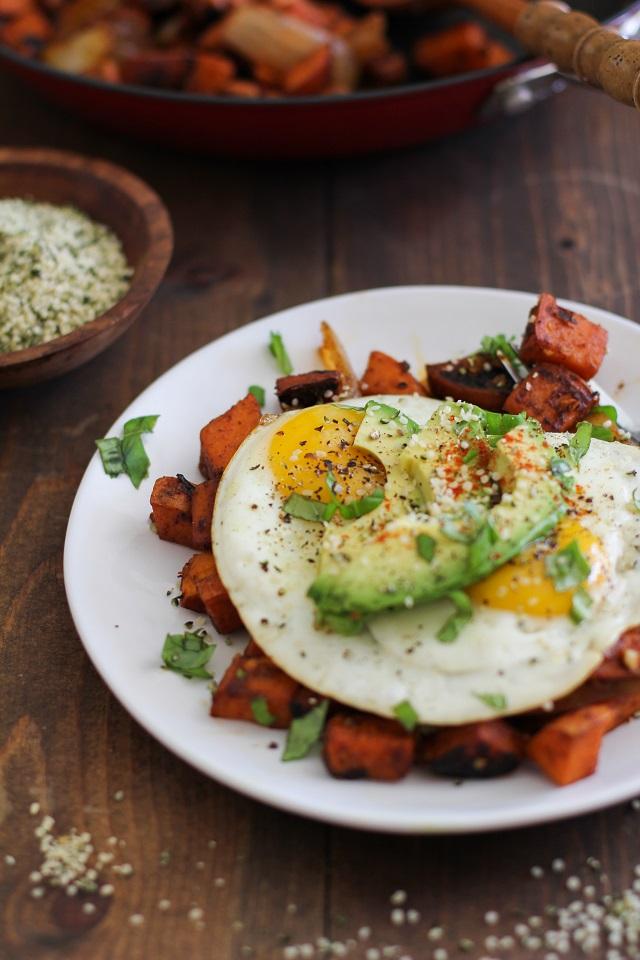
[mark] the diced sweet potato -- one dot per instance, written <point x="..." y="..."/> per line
<point x="358" y="745"/>
<point x="367" y="37"/>
<point x="197" y="567"/>
<point x="248" y="679"/>
<point x="456" y="49"/>
<point x="567" y="749"/>
<point x="557" y="335"/>
<point x="243" y="88"/>
<point x="311" y="75"/>
<point x="171" y="509"/>
<point x="222" y="436"/>
<point x="165" y="69"/>
<point x="202" y="502"/>
<point x="210" y="73"/>
<point x="333" y="357"/>
<point x="307" y="389"/>
<point x="386" y="375"/>
<point x="27" y="34"/>
<point x="13" y="9"/>
<point x="475" y="750"/>
<point x="622" y="660"/>
<point x="555" y="396"/>
<point x="217" y="603"/>
<point x="479" y="379"/>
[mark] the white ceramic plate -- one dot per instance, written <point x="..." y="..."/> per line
<point x="117" y="572"/>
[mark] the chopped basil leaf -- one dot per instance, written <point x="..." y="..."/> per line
<point x="568" y="567"/>
<point x="426" y="546"/>
<point x="608" y="410"/>
<point x="110" y="450"/>
<point x="305" y="731"/>
<point x="502" y="345"/>
<point x="580" y="442"/>
<point x="602" y="433"/>
<point x="188" y="653"/>
<point x="636" y="498"/>
<point x="581" y="603"/>
<point x="498" y="424"/>
<point x="450" y="630"/>
<point x="127" y="455"/>
<point x="261" y="712"/>
<point x="471" y="455"/>
<point x="279" y="352"/>
<point x="385" y="414"/>
<point x="258" y="392"/>
<point x="304" y="508"/>
<point x="406" y="715"/>
<point x="497" y="701"/>
<point x="358" y="508"/>
<point x="561" y="470"/>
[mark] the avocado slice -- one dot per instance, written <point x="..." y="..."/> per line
<point x="475" y="498"/>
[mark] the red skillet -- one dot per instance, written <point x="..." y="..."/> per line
<point x="305" y="127"/>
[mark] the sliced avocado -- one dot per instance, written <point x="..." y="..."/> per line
<point x="375" y="563"/>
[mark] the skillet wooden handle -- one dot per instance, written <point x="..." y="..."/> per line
<point x="578" y="44"/>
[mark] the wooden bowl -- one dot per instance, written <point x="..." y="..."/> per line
<point x="109" y="195"/>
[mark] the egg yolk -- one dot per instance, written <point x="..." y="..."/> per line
<point x="523" y="586"/>
<point x="318" y="441"/>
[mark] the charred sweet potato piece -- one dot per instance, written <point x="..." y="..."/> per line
<point x="222" y="436"/>
<point x="307" y="389"/>
<point x="28" y="34"/>
<point x="210" y="73"/>
<point x="164" y="69"/>
<point x="386" y="375"/>
<point x="171" y="509"/>
<point x="202" y="501"/>
<point x="567" y="749"/>
<point x="622" y="660"/>
<point x="457" y="49"/>
<point x="555" y="396"/>
<point x="197" y="567"/>
<point x="333" y="357"/>
<point x="359" y="745"/>
<point x="557" y="335"/>
<point x="489" y="748"/>
<point x="479" y="379"/>
<point x="252" y="678"/>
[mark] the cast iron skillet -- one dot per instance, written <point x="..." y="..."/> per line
<point x="318" y="126"/>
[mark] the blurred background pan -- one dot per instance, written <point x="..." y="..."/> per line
<point x="320" y="126"/>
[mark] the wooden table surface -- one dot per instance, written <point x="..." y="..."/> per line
<point x="547" y="201"/>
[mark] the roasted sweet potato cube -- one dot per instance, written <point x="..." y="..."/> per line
<point x="489" y="748"/>
<point x="28" y="34"/>
<point x="202" y="502"/>
<point x="567" y="749"/>
<point x="455" y="49"/>
<point x="217" y="603"/>
<point x="557" y="335"/>
<point x="386" y="375"/>
<point x="307" y="389"/>
<point x="479" y="379"/>
<point x="555" y="396"/>
<point x="211" y="72"/>
<point x="254" y="678"/>
<point x="622" y="660"/>
<point x="358" y="745"/>
<point x="199" y="566"/>
<point x="222" y="436"/>
<point x="171" y="509"/>
<point x="14" y="9"/>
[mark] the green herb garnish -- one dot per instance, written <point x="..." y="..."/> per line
<point x="602" y="433"/>
<point x="304" y="508"/>
<point x="258" y="392"/>
<point x="188" y="653"/>
<point x="607" y="410"/>
<point x="500" y="344"/>
<point x="126" y="454"/>
<point x="568" y="568"/>
<point x="561" y="470"/>
<point x="471" y="455"/>
<point x="580" y="442"/>
<point x="497" y="701"/>
<point x="498" y="424"/>
<point x="261" y="712"/>
<point x="426" y="546"/>
<point x="581" y="603"/>
<point x="305" y="732"/>
<point x="279" y="352"/>
<point x="406" y="715"/>
<point x="450" y="630"/>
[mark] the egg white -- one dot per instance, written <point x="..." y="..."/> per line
<point x="268" y="564"/>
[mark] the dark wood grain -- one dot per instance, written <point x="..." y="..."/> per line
<point x="545" y="201"/>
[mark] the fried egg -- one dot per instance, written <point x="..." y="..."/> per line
<point x="520" y="650"/>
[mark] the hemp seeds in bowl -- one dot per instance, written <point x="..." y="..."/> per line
<point x="59" y="269"/>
